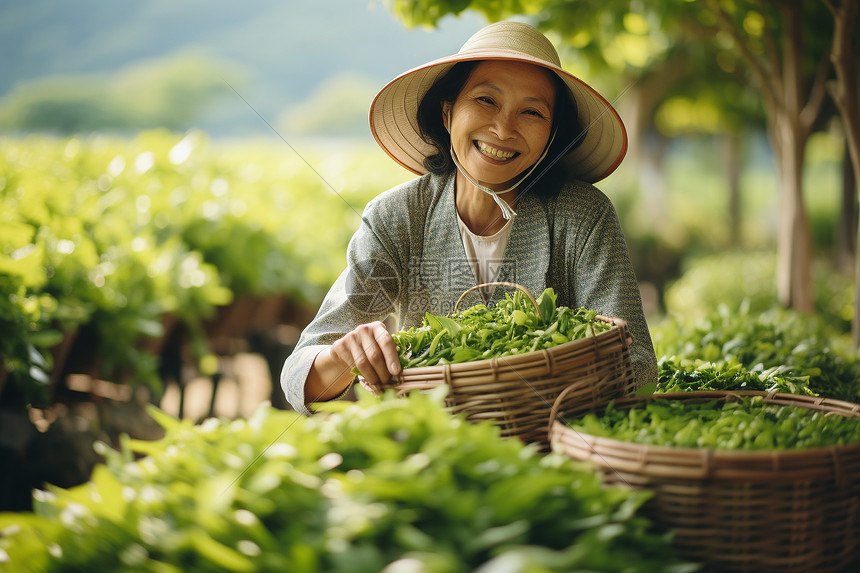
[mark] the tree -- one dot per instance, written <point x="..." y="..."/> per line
<point x="845" y="91"/>
<point x="790" y="69"/>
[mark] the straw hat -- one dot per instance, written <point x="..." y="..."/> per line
<point x="393" y="113"/>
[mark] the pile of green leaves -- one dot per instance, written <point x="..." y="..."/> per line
<point x="748" y="424"/>
<point x="391" y="485"/>
<point x="677" y="375"/>
<point x="513" y="326"/>
<point x="800" y="346"/>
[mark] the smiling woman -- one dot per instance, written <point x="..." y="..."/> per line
<point x="496" y="133"/>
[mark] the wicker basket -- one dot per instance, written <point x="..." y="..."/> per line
<point x="740" y="510"/>
<point x="517" y="392"/>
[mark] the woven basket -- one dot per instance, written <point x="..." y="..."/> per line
<point x="517" y="392"/>
<point x="780" y="511"/>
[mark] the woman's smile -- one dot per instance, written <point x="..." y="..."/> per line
<point x="495" y="153"/>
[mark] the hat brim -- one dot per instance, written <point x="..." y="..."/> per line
<point x="394" y="124"/>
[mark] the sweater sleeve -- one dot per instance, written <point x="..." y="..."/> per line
<point x="604" y="280"/>
<point x="366" y="291"/>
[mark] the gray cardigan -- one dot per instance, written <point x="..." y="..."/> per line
<point x="407" y="258"/>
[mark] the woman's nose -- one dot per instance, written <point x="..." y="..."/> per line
<point x="503" y="126"/>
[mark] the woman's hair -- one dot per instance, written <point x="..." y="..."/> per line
<point x="565" y="123"/>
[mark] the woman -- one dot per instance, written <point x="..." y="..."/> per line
<point x="507" y="144"/>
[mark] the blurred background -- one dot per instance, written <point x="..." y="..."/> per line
<point x="307" y="68"/>
<point x="179" y="179"/>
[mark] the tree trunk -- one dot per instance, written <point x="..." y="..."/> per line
<point x="794" y="241"/>
<point x="855" y="322"/>
<point x="732" y="167"/>
<point x="846" y="227"/>
<point x="844" y="91"/>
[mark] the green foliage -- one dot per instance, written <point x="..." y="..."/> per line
<point x="397" y="483"/>
<point x="725" y="331"/>
<point x="617" y="34"/>
<point x="746" y="424"/>
<point x="115" y="234"/>
<point x="800" y="346"/>
<point x="735" y="278"/>
<point x="25" y="367"/>
<point x="62" y="104"/>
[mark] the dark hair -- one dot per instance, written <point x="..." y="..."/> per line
<point x="565" y="121"/>
<point x="430" y="121"/>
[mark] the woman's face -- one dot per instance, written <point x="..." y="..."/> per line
<point x="500" y="122"/>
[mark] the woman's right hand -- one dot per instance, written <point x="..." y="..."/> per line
<point x="371" y="350"/>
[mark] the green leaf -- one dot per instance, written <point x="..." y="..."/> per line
<point x="513" y="532"/>
<point x="161" y="417"/>
<point x="438" y="323"/>
<point x="219" y="554"/>
<point x="546" y="304"/>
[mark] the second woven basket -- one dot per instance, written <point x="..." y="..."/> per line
<point x="779" y="511"/>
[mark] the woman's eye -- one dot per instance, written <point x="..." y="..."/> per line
<point x="533" y="112"/>
<point x="485" y="99"/>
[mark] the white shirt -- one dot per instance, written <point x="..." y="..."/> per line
<point x="485" y="253"/>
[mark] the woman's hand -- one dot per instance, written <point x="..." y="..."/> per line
<point x="371" y="350"/>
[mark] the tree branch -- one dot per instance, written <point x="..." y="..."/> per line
<point x="772" y="51"/>
<point x="845" y="18"/>
<point x="769" y="89"/>
<point x="817" y="96"/>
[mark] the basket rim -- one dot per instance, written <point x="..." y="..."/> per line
<point x="617" y="325"/>
<point x="559" y="427"/>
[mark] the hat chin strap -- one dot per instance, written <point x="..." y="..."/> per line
<point x="507" y="212"/>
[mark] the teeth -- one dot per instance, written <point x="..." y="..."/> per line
<point x="495" y="153"/>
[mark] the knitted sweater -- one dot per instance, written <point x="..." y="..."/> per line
<point x="407" y="258"/>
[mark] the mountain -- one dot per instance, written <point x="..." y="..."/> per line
<point x="285" y="48"/>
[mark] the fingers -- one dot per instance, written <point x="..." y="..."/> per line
<point x="389" y="350"/>
<point x="372" y="351"/>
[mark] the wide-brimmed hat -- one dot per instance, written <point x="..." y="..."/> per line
<point x="393" y="113"/>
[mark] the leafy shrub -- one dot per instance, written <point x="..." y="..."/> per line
<point x="114" y="234"/>
<point x="799" y="345"/>
<point x="749" y="277"/>
<point x="24" y="368"/>
<point x="81" y="254"/>
<point x="374" y="486"/>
